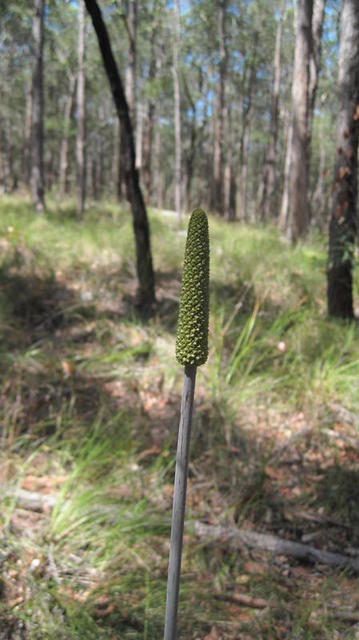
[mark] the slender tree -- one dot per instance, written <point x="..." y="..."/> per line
<point x="343" y="221"/>
<point x="130" y="20"/>
<point x="131" y="73"/>
<point x="37" y="108"/>
<point x="269" y="177"/>
<point x="154" y="67"/>
<point x="140" y="221"/>
<point x="177" y="107"/>
<point x="218" y="157"/>
<point x="299" y="164"/>
<point x="295" y="213"/>
<point x="81" y="114"/>
<point x="315" y="58"/>
<point x="65" y="137"/>
<point x="244" y="144"/>
<point x="26" y="158"/>
<point x="189" y="156"/>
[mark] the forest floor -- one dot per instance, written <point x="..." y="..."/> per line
<point x="89" y="411"/>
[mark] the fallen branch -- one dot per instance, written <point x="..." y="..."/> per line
<point x="273" y="544"/>
<point x="243" y="600"/>
<point x="32" y="501"/>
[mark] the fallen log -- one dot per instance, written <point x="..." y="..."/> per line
<point x="243" y="600"/>
<point x="273" y="544"/>
<point x="32" y="501"/>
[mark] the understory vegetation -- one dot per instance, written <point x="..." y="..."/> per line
<point x="89" y="411"/>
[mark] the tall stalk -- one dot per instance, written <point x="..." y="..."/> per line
<point x="191" y="351"/>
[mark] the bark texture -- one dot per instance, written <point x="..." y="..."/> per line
<point x="269" y="177"/>
<point x="268" y="542"/>
<point x="299" y="165"/>
<point x="246" y="122"/>
<point x="343" y="221"/>
<point x="26" y="166"/>
<point x="132" y="58"/>
<point x="5" y="157"/>
<point x="37" y="109"/>
<point x="140" y="222"/>
<point x="65" y="136"/>
<point x="217" y="192"/>
<point x="154" y="68"/>
<point x="177" y="109"/>
<point x="81" y="116"/>
<point x="315" y="56"/>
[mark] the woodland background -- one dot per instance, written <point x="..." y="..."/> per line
<point x="250" y="110"/>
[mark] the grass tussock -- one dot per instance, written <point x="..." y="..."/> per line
<point x="89" y="410"/>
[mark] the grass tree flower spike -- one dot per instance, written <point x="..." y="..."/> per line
<point x="192" y="331"/>
<point x="191" y="351"/>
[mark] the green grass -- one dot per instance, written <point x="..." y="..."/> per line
<point x="89" y="407"/>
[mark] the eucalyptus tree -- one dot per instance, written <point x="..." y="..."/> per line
<point x="37" y="108"/>
<point x="343" y="220"/>
<point x="269" y="177"/>
<point x="81" y="114"/>
<point x="218" y="154"/>
<point x="177" y="106"/>
<point x="153" y="38"/>
<point x="134" y="193"/>
<point x="295" y="213"/>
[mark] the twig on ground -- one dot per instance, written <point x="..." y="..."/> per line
<point x="273" y="544"/>
<point x="32" y="501"/>
<point x="243" y="600"/>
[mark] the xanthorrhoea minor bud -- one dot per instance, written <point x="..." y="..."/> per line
<point x="191" y="351"/>
<point x="192" y="330"/>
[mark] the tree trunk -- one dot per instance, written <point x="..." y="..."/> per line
<point x="115" y="173"/>
<point x="218" y="157"/>
<point x="26" y="164"/>
<point x="284" y="211"/>
<point x="81" y="116"/>
<point x="158" y="180"/>
<point x="65" y="136"/>
<point x="177" y="109"/>
<point x="5" y="157"/>
<point x="318" y="197"/>
<point x="246" y="120"/>
<point x="155" y="64"/>
<point x="343" y="222"/>
<point x="269" y="177"/>
<point x="139" y="137"/>
<point x="191" y="151"/>
<point x="134" y="194"/>
<point x="244" y="168"/>
<point x="132" y="58"/>
<point x="130" y="86"/>
<point x="314" y="67"/>
<point x="229" y="174"/>
<point x="147" y="151"/>
<point x="37" y="109"/>
<point x="299" y="164"/>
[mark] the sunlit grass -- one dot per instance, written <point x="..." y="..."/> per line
<point x="85" y="380"/>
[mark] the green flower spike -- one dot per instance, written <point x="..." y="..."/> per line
<point x="192" y="329"/>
